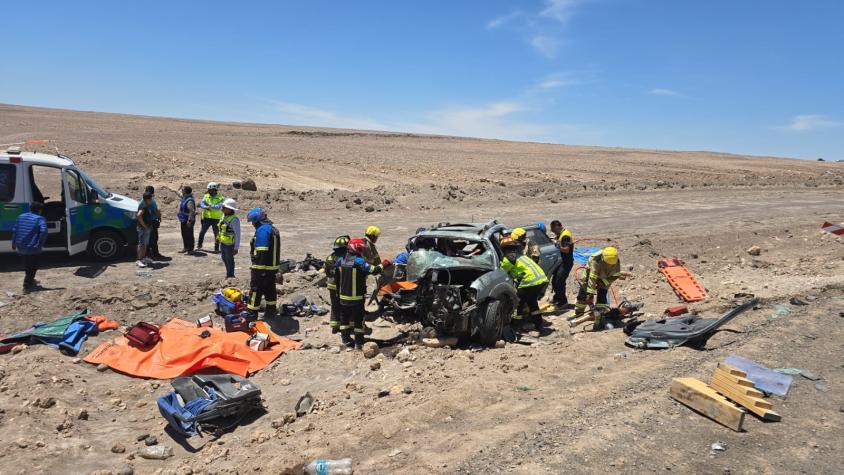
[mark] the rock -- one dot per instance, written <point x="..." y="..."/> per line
<point x="798" y="301"/>
<point x="17" y="349"/>
<point x="45" y="403"/>
<point x="142" y="437"/>
<point x="21" y="443"/>
<point x="126" y="470"/>
<point x="383" y="392"/>
<point x="248" y="185"/>
<point x="369" y="208"/>
<point x="76" y="360"/>
<point x="64" y="426"/>
<point x="118" y="449"/>
<point x="500" y="344"/>
<point x="719" y="447"/>
<point x="102" y="367"/>
<point x="397" y="389"/>
<point x="260" y="437"/>
<point x="754" y="250"/>
<point x="102" y="472"/>
<point x="375" y="366"/>
<point x="237" y="185"/>
<point x="280" y="422"/>
<point x="156" y="452"/>
<point x="370" y="349"/>
<point x="83" y="415"/>
<point x="395" y="452"/>
<point x="334" y="350"/>
<point x="404" y="355"/>
<point x="440" y="342"/>
<point x="151" y="440"/>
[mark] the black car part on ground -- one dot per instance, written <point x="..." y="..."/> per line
<point x="671" y="332"/>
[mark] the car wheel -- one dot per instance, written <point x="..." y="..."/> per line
<point x="105" y="245"/>
<point x="493" y="316"/>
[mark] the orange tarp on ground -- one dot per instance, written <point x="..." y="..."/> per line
<point x="182" y="351"/>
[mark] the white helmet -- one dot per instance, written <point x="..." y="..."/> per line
<point x="230" y="204"/>
<point x="213" y="186"/>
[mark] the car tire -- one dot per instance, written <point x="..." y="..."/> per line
<point x="493" y="317"/>
<point x="105" y="245"/>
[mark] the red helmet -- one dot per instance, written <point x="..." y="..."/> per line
<point x="356" y="246"/>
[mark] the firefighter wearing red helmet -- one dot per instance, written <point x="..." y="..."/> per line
<point x="352" y="271"/>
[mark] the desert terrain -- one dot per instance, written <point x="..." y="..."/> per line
<point x="581" y="402"/>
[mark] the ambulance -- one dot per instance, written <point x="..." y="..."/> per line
<point x="81" y="215"/>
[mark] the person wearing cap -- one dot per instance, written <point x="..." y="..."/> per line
<point x="602" y="269"/>
<point x="229" y="235"/>
<point x="212" y="212"/>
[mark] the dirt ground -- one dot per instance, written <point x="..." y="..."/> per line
<point x="579" y="402"/>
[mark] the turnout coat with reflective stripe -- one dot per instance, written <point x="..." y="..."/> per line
<point x="266" y="248"/>
<point x="523" y="270"/>
<point x="599" y="274"/>
<point x="351" y="283"/>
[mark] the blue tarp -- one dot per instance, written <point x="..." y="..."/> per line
<point x="67" y="333"/>
<point x="582" y="254"/>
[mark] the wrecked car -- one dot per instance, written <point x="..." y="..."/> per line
<point x="458" y="286"/>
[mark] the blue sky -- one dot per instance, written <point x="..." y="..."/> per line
<point x="759" y="77"/>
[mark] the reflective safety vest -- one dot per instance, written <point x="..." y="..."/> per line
<point x="524" y="271"/>
<point x="566" y="240"/>
<point x="227" y="233"/>
<point x="208" y="213"/>
<point x="351" y="286"/>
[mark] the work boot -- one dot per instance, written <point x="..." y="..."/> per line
<point x="346" y="338"/>
<point x="359" y="341"/>
<point x="334" y="329"/>
<point x="270" y="313"/>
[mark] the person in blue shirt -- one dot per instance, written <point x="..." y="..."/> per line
<point x="28" y="237"/>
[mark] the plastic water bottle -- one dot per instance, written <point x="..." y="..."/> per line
<point x="329" y="467"/>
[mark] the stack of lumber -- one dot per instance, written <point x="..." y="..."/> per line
<point x="718" y="400"/>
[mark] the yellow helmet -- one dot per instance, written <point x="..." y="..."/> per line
<point x="610" y="255"/>
<point x="373" y="231"/>
<point x="517" y="233"/>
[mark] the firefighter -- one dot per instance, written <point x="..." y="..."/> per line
<point x="351" y="291"/>
<point x="370" y="253"/>
<point x="530" y="280"/>
<point x="266" y="253"/>
<point x="565" y="242"/>
<point x="340" y="245"/>
<point x="602" y="269"/>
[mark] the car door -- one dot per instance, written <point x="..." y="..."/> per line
<point x="76" y="201"/>
<point x="11" y="202"/>
<point x="550" y="257"/>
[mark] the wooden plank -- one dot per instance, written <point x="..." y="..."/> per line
<point x="735" y="379"/>
<point x="705" y="400"/>
<point x="732" y="370"/>
<point x="760" y="407"/>
<point x="747" y="391"/>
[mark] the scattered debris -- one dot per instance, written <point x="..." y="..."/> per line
<point x="718" y="447"/>
<point x="822" y="387"/>
<point x="156" y="452"/>
<point x="754" y="250"/>
<point x="668" y="333"/>
<point x="833" y="228"/>
<point x="151" y="440"/>
<point x="305" y="405"/>
<point x="395" y="452"/>
<point x="797" y="301"/>
<point x="440" y="342"/>
<point x="780" y="311"/>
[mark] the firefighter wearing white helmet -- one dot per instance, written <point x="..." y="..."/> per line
<point x="212" y="212"/>
<point x="602" y="269"/>
<point x="229" y="236"/>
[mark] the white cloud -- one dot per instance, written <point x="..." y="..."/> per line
<point x="560" y="10"/>
<point x="559" y="80"/>
<point x="503" y="20"/>
<point x="807" y="122"/>
<point x="663" y="92"/>
<point x="298" y="114"/>
<point x="546" y="45"/>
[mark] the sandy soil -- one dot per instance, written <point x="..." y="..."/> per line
<point x="568" y="404"/>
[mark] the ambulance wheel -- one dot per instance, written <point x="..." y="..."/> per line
<point x="105" y="245"/>
<point x="493" y="316"/>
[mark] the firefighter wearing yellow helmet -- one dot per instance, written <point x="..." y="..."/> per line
<point x="370" y="252"/>
<point x="602" y="269"/>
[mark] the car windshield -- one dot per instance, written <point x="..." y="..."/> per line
<point x="446" y="252"/>
<point x="91" y="183"/>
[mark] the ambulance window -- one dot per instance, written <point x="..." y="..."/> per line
<point x="46" y="185"/>
<point x="78" y="190"/>
<point x="8" y="174"/>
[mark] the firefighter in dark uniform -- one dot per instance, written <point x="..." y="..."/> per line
<point x="331" y="276"/>
<point x="266" y="254"/>
<point x="353" y="271"/>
